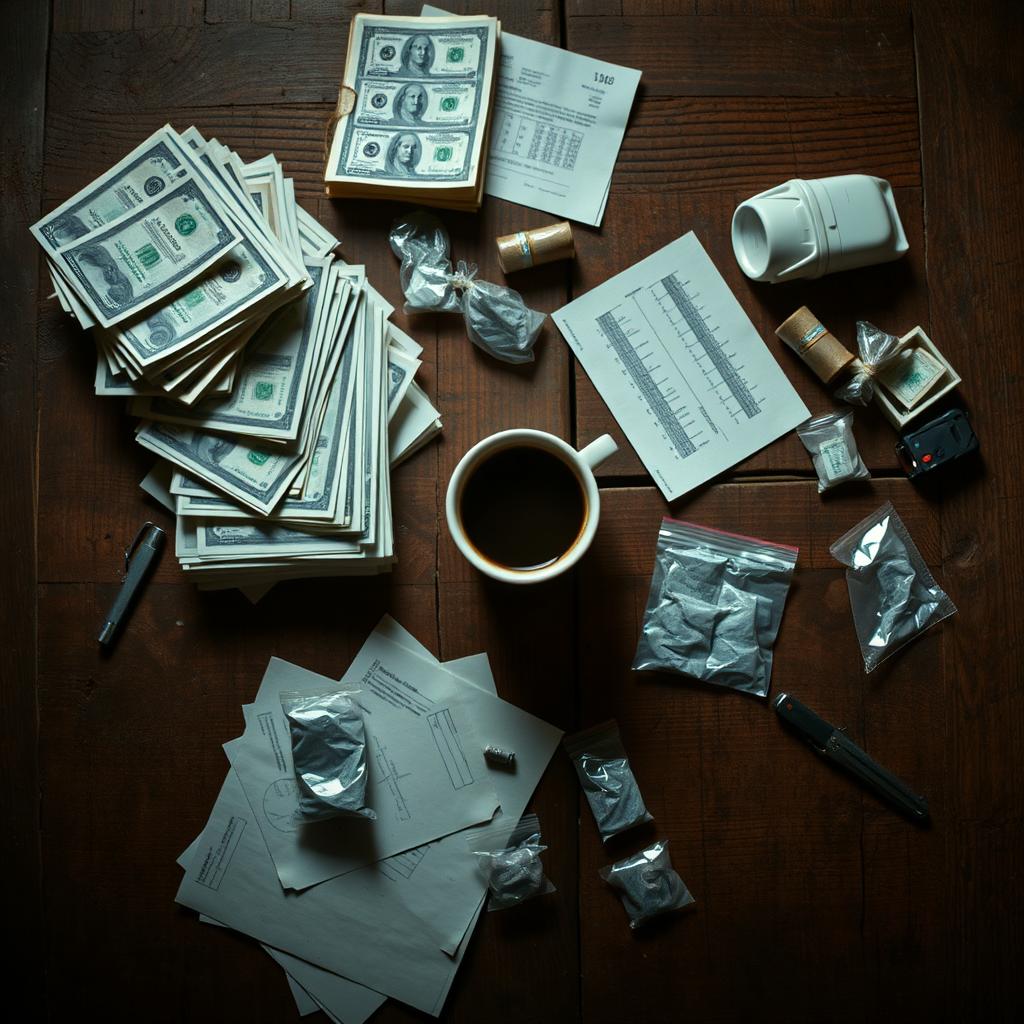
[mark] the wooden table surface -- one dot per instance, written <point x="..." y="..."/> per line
<point x="814" y="902"/>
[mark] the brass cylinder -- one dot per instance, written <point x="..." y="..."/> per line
<point x="540" y="245"/>
<point x="805" y="334"/>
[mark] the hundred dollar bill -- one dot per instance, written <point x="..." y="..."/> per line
<point x="254" y="476"/>
<point x="430" y="80"/>
<point x="145" y="172"/>
<point x="389" y="155"/>
<point x="424" y="48"/>
<point x="320" y="499"/>
<point x="401" y="370"/>
<point x="148" y="253"/>
<point x="417" y="104"/>
<point x="270" y="398"/>
<point x="240" y="280"/>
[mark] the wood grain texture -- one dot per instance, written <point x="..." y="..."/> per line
<point x="22" y="92"/>
<point x="787" y="859"/>
<point x="974" y="270"/>
<point x="798" y="874"/>
<point x="736" y="56"/>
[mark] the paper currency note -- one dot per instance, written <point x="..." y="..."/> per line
<point x="270" y="396"/>
<point x="145" y="172"/>
<point x="232" y="285"/>
<point x="411" y="52"/>
<point x="401" y="370"/>
<point x="148" y="253"/>
<point x="437" y="155"/>
<point x="911" y="375"/>
<point x="425" y="104"/>
<point x="254" y="476"/>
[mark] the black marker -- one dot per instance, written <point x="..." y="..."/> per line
<point x="138" y="560"/>
<point x="836" y="746"/>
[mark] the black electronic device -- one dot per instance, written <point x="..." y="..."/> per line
<point x="944" y="440"/>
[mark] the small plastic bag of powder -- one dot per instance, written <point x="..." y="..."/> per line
<point x="607" y="779"/>
<point x="893" y="595"/>
<point x="647" y="884"/>
<point x="509" y="856"/>
<point x="329" y="753"/>
<point x="833" y="450"/>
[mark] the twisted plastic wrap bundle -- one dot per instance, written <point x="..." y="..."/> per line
<point x="511" y="863"/>
<point x="497" y="319"/>
<point x="329" y="754"/>
<point x="876" y="350"/>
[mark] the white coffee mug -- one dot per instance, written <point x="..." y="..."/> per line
<point x="582" y="463"/>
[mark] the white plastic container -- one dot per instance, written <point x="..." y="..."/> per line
<point x="812" y="228"/>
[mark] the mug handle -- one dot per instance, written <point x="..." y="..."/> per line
<point x="597" y="451"/>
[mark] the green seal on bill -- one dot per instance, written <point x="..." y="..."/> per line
<point x="456" y="54"/>
<point x="449" y="103"/>
<point x="443" y="154"/>
<point x="185" y="224"/>
<point x="258" y="458"/>
<point x="263" y="391"/>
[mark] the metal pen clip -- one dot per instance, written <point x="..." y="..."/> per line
<point x="130" y="550"/>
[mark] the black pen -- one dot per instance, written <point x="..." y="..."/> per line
<point x="138" y="560"/>
<point x="835" y="745"/>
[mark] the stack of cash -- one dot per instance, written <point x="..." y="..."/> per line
<point x="264" y="369"/>
<point x="413" y="115"/>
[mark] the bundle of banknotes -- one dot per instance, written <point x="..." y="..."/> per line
<point x="264" y="369"/>
<point x="414" y="110"/>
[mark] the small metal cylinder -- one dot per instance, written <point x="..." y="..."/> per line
<point x="540" y="245"/>
<point x="495" y="755"/>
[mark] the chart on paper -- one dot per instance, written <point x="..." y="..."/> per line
<point x="680" y="366"/>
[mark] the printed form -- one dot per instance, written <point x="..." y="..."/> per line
<point x="556" y="127"/>
<point x="680" y="366"/>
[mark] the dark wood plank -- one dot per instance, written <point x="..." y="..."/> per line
<point x="735" y="56"/>
<point x="217" y="11"/>
<point x="750" y="143"/>
<point x="89" y="16"/>
<point x="22" y="93"/>
<point x="890" y="296"/>
<point x="784" y="856"/>
<point x="974" y="269"/>
<point x="151" y="14"/>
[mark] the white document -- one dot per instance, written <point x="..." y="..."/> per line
<point x="338" y="997"/>
<point x="680" y="366"/>
<point x="426" y="773"/>
<point x="304" y="1002"/>
<point x="556" y="127"/>
<point x="232" y="879"/>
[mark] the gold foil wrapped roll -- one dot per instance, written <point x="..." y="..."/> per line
<point x="805" y="334"/>
<point x="540" y="245"/>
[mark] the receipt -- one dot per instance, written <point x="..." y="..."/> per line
<point x="556" y="127"/>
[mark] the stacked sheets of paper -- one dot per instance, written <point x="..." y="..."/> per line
<point x="414" y="110"/>
<point x="357" y="911"/>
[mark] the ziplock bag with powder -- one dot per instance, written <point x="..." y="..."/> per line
<point x="607" y="779"/>
<point x="647" y="884"/>
<point x="893" y="596"/>
<point x="509" y="856"/>
<point x="715" y="606"/>
<point x="329" y="753"/>
<point x="497" y="319"/>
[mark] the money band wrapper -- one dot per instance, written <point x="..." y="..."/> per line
<point x="540" y="245"/>
<point x="804" y="333"/>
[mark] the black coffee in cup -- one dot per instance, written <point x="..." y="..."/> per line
<point x="522" y="507"/>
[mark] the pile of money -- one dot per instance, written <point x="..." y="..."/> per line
<point x="413" y="115"/>
<point x="264" y="370"/>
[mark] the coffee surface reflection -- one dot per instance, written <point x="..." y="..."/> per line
<point x="522" y="507"/>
